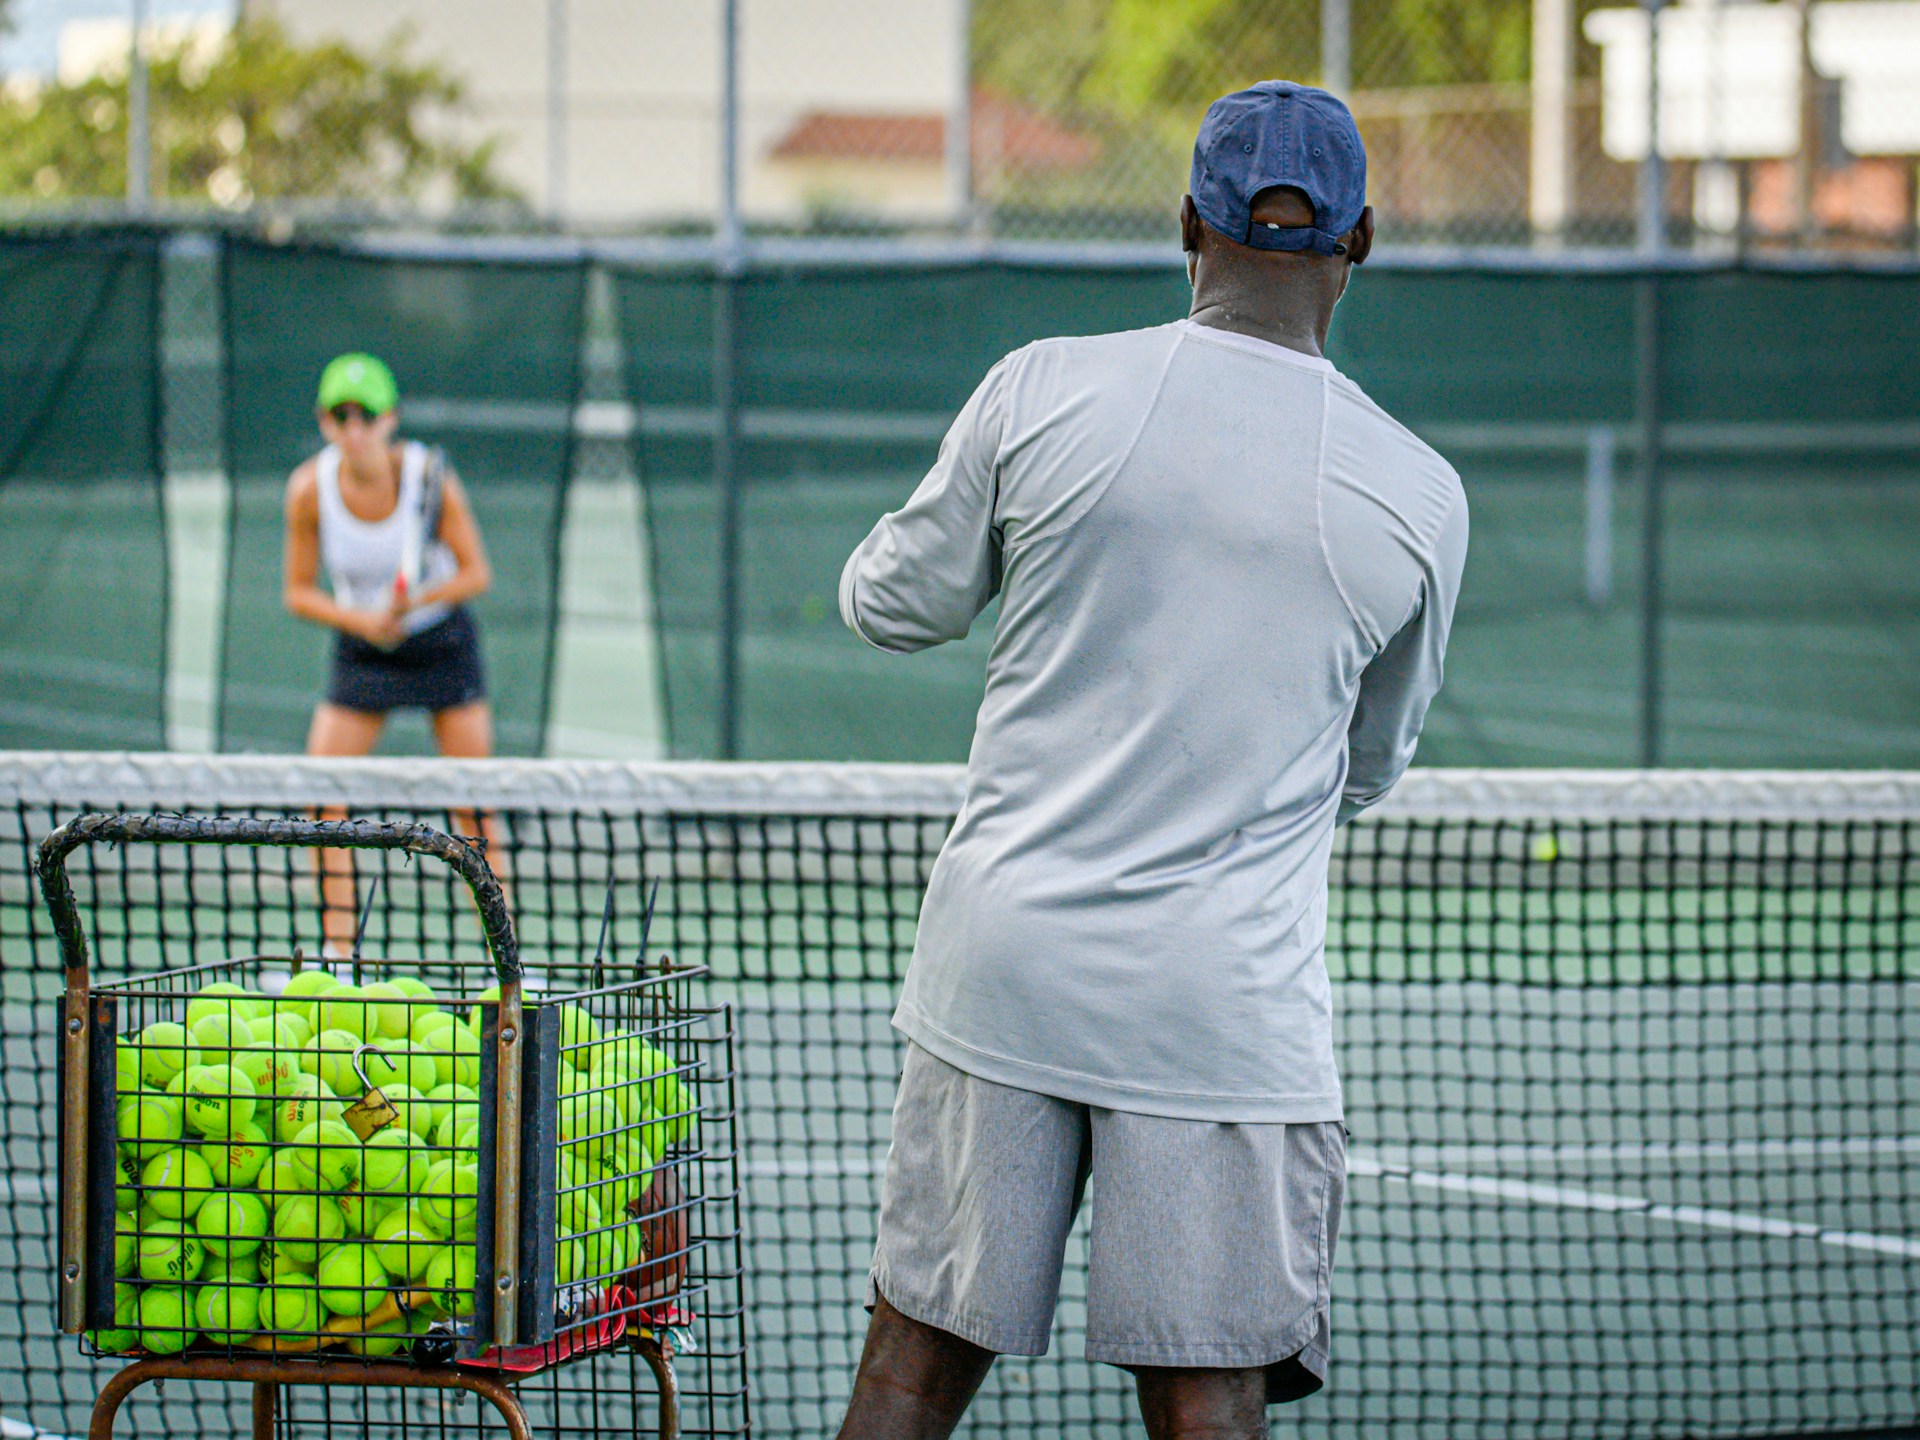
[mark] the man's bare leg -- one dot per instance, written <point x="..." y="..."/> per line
<point x="1193" y="1404"/>
<point x="915" y="1381"/>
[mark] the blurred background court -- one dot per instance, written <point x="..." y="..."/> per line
<point x="690" y="293"/>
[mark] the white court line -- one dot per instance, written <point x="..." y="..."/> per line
<point x="1566" y="1197"/>
<point x="12" y="1429"/>
<point x="1569" y="1198"/>
<point x="1647" y="1152"/>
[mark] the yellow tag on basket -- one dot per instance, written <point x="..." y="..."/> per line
<point x="372" y="1112"/>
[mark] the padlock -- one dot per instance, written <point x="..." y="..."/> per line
<point x="372" y="1112"/>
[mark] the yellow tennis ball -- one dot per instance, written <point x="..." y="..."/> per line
<point x="450" y="1276"/>
<point x="352" y="1280"/>
<point x="406" y="1243"/>
<point x="290" y="1307"/>
<point x="124" y="1333"/>
<point x="177" y="1182"/>
<point x="228" y="1314"/>
<point x="326" y="1154"/>
<point x="388" y="1015"/>
<point x="233" y="1222"/>
<point x="166" y="1320"/>
<point x="219" y="1099"/>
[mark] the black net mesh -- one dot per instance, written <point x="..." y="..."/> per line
<point x="1634" y="1101"/>
<point x="83" y="549"/>
<point x="486" y="356"/>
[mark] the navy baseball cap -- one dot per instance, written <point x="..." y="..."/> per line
<point x="1279" y="133"/>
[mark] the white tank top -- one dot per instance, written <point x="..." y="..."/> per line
<point x="363" y="557"/>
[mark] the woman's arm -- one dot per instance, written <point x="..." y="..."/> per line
<point x="301" y="591"/>
<point x="461" y="534"/>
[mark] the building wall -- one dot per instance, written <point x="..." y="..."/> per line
<point x="643" y="84"/>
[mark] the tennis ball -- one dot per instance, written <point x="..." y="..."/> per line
<point x="228" y="1314"/>
<point x="329" y="1055"/>
<point x="602" y="1253"/>
<point x="394" y="1162"/>
<point x="1545" y="848"/>
<point x="415" y="1116"/>
<point x="441" y="1100"/>
<point x="450" y="1277"/>
<point x="569" y="1262"/>
<point x="219" y="1099"/>
<point x="388" y="1015"/>
<point x="232" y="1223"/>
<point x="304" y="1224"/>
<point x="303" y="993"/>
<point x="477" y="1011"/>
<point x="589" y="1123"/>
<point x="177" y="1182"/>
<point x="326" y="1155"/>
<point x="126" y="1067"/>
<point x="448" y="1196"/>
<point x="166" y="1320"/>
<point x="414" y="988"/>
<point x="150" y="1124"/>
<point x="220" y="997"/>
<point x="170" y="1256"/>
<point x="256" y="1061"/>
<point x="343" y="1008"/>
<point x="406" y="1243"/>
<point x="290" y="1307"/>
<point x="305" y="1101"/>
<point x="459" y="1131"/>
<point x="381" y="1340"/>
<point x="125" y="1331"/>
<point x="352" y="1279"/>
<point x="239" y="1269"/>
<point x="456" y="1056"/>
<point x="427" y="1025"/>
<point x="280" y="1180"/>
<point x="216" y="1037"/>
<point x="577" y="1213"/>
<point x="276" y="1266"/>
<point x="364" y="1212"/>
<point x="290" y="1031"/>
<point x="126" y="1245"/>
<point x="577" y="1034"/>
<point x="165" y="1050"/>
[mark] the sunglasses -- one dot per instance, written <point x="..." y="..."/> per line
<point x="348" y="410"/>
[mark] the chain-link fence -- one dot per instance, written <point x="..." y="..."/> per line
<point x="1779" y="123"/>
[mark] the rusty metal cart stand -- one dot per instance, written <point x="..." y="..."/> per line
<point x="78" y="1029"/>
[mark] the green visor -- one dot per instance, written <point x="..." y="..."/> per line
<point x="363" y="380"/>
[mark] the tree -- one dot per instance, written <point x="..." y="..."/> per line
<point x="261" y="117"/>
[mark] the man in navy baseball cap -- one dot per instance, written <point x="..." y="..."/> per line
<point x="1226" y="580"/>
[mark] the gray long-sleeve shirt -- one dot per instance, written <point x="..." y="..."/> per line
<point x="1226" y="578"/>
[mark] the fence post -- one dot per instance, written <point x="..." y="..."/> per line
<point x="1653" y="169"/>
<point x="557" y="107"/>
<point x="1600" y="467"/>
<point x="725" y="382"/>
<point x="1336" y="46"/>
<point x="139" y="142"/>
<point x="1647" y="353"/>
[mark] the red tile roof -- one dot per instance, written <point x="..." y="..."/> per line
<point x="1005" y="130"/>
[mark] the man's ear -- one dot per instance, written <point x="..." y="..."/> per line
<point x="1190" y="224"/>
<point x="1359" y="240"/>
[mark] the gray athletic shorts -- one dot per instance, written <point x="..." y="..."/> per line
<point x="1211" y="1245"/>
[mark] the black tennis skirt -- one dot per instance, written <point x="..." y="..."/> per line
<point x="437" y="669"/>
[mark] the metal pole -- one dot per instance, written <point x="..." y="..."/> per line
<point x="725" y="383"/>
<point x="1336" y="46"/>
<point x="1648" y="358"/>
<point x="557" y="109"/>
<point x="960" y="119"/>
<point x="1600" y="468"/>
<point x="139" y="141"/>
<point x="1653" y="170"/>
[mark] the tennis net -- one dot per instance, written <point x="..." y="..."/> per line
<point x="1632" y="1066"/>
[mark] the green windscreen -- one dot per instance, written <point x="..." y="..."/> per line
<point x="83" y="551"/>
<point x="847" y="379"/>
<point x="486" y="356"/>
<point x="1789" y="611"/>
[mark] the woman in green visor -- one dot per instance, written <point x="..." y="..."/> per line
<point x="390" y="523"/>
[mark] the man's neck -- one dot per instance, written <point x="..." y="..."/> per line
<point x="1291" y="331"/>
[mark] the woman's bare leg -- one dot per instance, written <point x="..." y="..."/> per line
<point x="336" y="730"/>
<point x="466" y="732"/>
